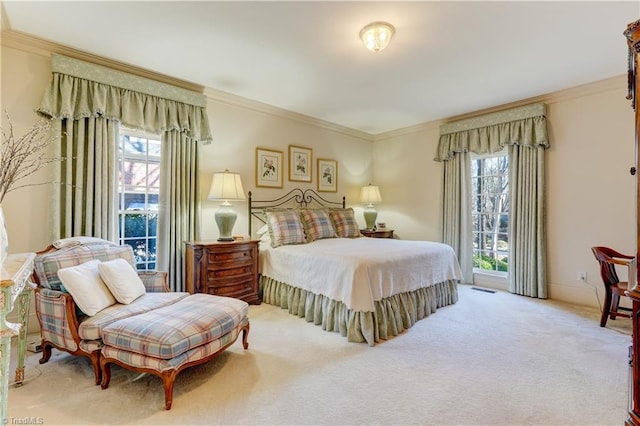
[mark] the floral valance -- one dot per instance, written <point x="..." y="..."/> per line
<point x="489" y="133"/>
<point x="80" y="89"/>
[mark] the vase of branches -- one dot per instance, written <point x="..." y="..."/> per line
<point x="21" y="157"/>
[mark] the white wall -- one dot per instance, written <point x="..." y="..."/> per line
<point x="590" y="193"/>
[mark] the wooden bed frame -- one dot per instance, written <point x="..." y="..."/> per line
<point x="297" y="197"/>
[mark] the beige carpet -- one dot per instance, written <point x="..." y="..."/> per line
<point x="489" y="359"/>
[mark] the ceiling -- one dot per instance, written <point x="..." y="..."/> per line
<point x="446" y="58"/>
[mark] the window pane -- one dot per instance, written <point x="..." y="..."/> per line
<point x="490" y="212"/>
<point x="139" y="187"/>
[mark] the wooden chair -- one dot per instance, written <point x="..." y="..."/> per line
<point x="608" y="259"/>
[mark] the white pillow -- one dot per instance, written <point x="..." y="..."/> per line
<point x="122" y="280"/>
<point x="89" y="292"/>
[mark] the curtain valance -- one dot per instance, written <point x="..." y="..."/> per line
<point x="79" y="89"/>
<point x="525" y="126"/>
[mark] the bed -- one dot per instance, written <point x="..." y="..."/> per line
<point x="314" y="263"/>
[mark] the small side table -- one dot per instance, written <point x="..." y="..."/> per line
<point x="14" y="286"/>
<point x="379" y="233"/>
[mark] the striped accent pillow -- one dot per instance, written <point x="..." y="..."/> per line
<point x="344" y="222"/>
<point x="317" y="224"/>
<point x="285" y="227"/>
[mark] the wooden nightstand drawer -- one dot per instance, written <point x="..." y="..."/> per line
<point x="223" y="256"/>
<point x="218" y="273"/>
<point x="223" y="268"/>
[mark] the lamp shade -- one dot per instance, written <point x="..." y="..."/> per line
<point x="226" y="186"/>
<point x="377" y="35"/>
<point x="370" y="194"/>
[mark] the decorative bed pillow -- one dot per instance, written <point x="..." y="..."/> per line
<point x="123" y="281"/>
<point x="89" y="292"/>
<point x="317" y="224"/>
<point x="263" y="234"/>
<point x="285" y="227"/>
<point x="344" y="222"/>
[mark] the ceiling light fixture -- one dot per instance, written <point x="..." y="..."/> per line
<point x="377" y="35"/>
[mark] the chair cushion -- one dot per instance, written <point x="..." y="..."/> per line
<point x="170" y="331"/>
<point x="91" y="328"/>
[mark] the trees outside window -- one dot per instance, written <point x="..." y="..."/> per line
<point x="490" y="212"/>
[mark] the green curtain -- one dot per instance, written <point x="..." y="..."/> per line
<point x="523" y="131"/>
<point x="527" y="263"/>
<point x="86" y="201"/>
<point x="90" y="102"/>
<point x="457" y="230"/>
<point x="179" y="209"/>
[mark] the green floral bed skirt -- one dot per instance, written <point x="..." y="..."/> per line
<point x="392" y="315"/>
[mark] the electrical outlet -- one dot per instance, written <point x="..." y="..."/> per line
<point x="582" y="276"/>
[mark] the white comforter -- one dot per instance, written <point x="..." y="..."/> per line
<point x="360" y="271"/>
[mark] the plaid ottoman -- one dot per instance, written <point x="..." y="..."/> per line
<point x="166" y="340"/>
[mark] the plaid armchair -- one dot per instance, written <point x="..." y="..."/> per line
<point x="61" y="322"/>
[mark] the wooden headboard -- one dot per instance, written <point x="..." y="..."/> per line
<point x="297" y="197"/>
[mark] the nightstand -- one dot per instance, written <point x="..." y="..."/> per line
<point x="380" y="233"/>
<point x="223" y="269"/>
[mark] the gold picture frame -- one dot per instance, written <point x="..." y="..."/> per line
<point x="269" y="165"/>
<point x="300" y="163"/>
<point x="327" y="175"/>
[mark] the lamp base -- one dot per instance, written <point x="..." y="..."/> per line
<point x="370" y="215"/>
<point x="225" y="219"/>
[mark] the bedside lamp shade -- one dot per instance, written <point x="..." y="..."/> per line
<point x="226" y="186"/>
<point x="370" y="195"/>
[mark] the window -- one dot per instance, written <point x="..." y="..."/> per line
<point x="490" y="212"/>
<point x="138" y="190"/>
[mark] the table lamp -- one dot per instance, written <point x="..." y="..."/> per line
<point x="370" y="195"/>
<point x="226" y="186"/>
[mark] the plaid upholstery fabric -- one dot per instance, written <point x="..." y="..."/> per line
<point x="285" y="227"/>
<point x="173" y="330"/>
<point x="344" y="221"/>
<point x="91" y="328"/>
<point x="46" y="265"/>
<point x="154" y="281"/>
<point x="317" y="224"/>
<point x="137" y="360"/>
<point x="54" y="324"/>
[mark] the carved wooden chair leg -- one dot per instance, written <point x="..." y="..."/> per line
<point x="106" y="373"/>
<point x="46" y="352"/>
<point x="97" y="371"/>
<point x="168" y="380"/>
<point x="606" y="308"/>
<point x="245" y="336"/>
<point x="615" y="303"/>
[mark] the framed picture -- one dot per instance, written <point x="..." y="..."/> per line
<point x="268" y="168"/>
<point x="327" y="175"/>
<point x="300" y="163"/>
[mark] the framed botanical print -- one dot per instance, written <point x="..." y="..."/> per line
<point x="327" y="175"/>
<point x="300" y="163"/>
<point x="268" y="168"/>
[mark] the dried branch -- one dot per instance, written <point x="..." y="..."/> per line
<point x="22" y="157"/>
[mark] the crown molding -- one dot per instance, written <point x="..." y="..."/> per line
<point x="28" y="43"/>
<point x="219" y="96"/>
